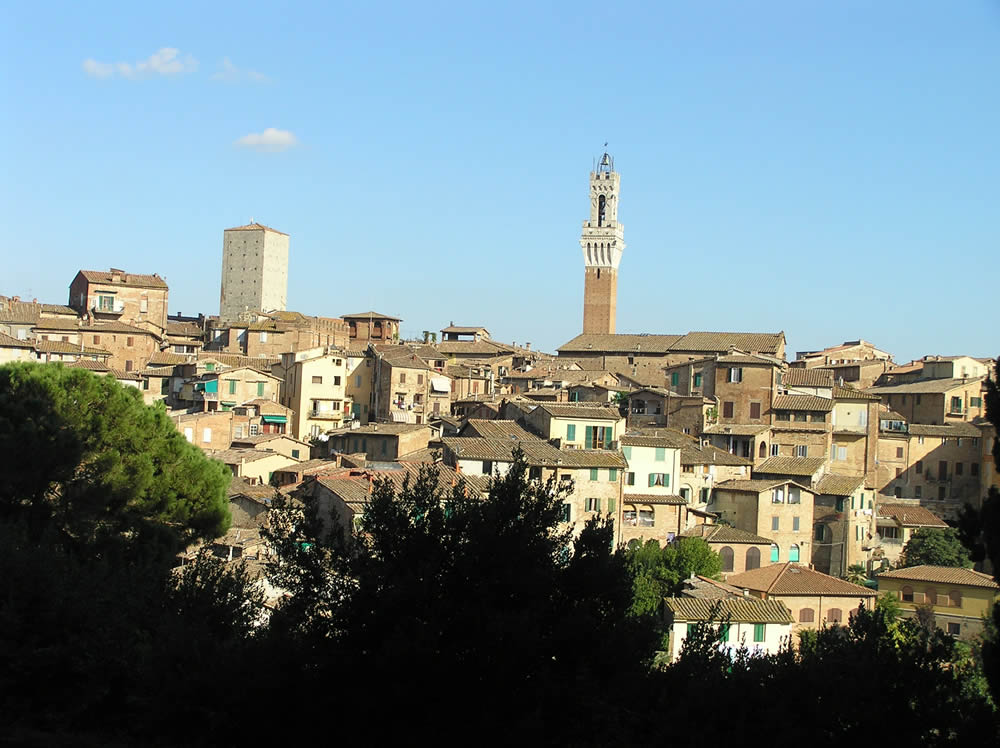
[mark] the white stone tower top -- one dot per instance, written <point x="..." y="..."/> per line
<point x="603" y="238"/>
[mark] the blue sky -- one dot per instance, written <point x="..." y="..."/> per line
<point x="826" y="169"/>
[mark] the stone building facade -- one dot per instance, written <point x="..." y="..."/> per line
<point x="116" y="295"/>
<point x="254" y="271"/>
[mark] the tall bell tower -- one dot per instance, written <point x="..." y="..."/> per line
<point x="602" y="242"/>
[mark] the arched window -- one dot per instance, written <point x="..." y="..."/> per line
<point x="629" y="516"/>
<point x="354" y="329"/>
<point x="930" y="596"/>
<point x="955" y="598"/>
<point x="807" y="615"/>
<point x="601" y="205"/>
<point x="775" y="553"/>
<point x="727" y="558"/>
<point x="835" y="615"/>
<point x="762" y="452"/>
<point x="647" y="518"/>
<point x="753" y="558"/>
<point x="793" y="553"/>
<point x="377" y="329"/>
<point x="907" y="594"/>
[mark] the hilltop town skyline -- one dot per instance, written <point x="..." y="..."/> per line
<point x="767" y="158"/>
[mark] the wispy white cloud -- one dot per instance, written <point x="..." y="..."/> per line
<point x="165" y="61"/>
<point x="271" y="139"/>
<point x="229" y="73"/>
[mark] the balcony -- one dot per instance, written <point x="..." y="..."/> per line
<point x="326" y="415"/>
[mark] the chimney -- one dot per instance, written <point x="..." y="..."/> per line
<point x="527" y="346"/>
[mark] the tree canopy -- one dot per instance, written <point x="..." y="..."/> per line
<point x="936" y="547"/>
<point x="96" y="464"/>
<point x="660" y="572"/>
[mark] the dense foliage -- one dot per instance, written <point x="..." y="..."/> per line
<point x="659" y="572"/>
<point x="936" y="547"/>
<point x="442" y="614"/>
<point x="99" y="468"/>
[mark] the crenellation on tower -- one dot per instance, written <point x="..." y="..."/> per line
<point x="602" y="242"/>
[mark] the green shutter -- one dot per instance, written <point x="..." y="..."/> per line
<point x="589" y="440"/>
<point x="612" y="474"/>
<point x="697" y="380"/>
<point x="674" y="379"/>
<point x="571" y="432"/>
<point x="758" y="632"/>
<point x="260" y="389"/>
<point x="611" y="506"/>
<point x="666" y="480"/>
<point x="628" y="452"/>
<point x="295" y="453"/>
<point x="593" y="473"/>
<point x="652" y="479"/>
<point x="232" y="386"/>
<point x="661" y="454"/>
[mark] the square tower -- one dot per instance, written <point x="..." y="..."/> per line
<point x="254" y="271"/>
<point x="602" y="242"/>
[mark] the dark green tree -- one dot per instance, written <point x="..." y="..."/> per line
<point x="935" y="547"/>
<point x="445" y="603"/>
<point x="659" y="572"/>
<point x="98" y="466"/>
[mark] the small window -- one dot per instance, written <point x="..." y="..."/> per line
<point x="920" y="467"/>
<point x="566" y="512"/>
<point x="801" y="450"/>
<point x="899" y="452"/>
<point x="661" y="454"/>
<point x="835" y="615"/>
<point x="753" y="558"/>
<point x="755" y="411"/>
<point x="955" y="629"/>
<point x="807" y="615"/>
<point x="317" y="380"/>
<point x="758" y="632"/>
<point x="593" y="505"/>
<point x="820" y="532"/>
<point x="630" y="479"/>
<point x="612" y="475"/>
<point x="795" y="524"/>
<point x="735" y="374"/>
<point x="793" y="553"/>
<point x="402" y="377"/>
<point x="594" y="473"/>
<point x="189" y="434"/>
<point x="726" y="554"/>
<point x="129" y="341"/>
<point x="420" y="378"/>
<point x="674" y="379"/>
<point x="775" y="523"/>
<point x="295" y="454"/>
<point x="571" y="433"/>
<point x="727" y="409"/>
<point x="959" y="468"/>
<point x="907" y="594"/>
<point x="697" y="379"/>
<point x="206" y="435"/>
<point x="775" y="553"/>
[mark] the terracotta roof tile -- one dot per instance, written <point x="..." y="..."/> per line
<point x="783" y="465"/>
<point x="652" y="498"/>
<point x="942" y="575"/>
<point x="743" y="609"/>
<point x="909" y="515"/>
<point x="753" y="342"/>
<point x="950" y="430"/>
<point x="849" y="393"/>
<point x="369" y="315"/>
<point x="922" y="387"/>
<point x="725" y="534"/>
<point x="736" y="429"/>
<point x="756" y="485"/>
<point x="807" y="378"/>
<point x="619" y="343"/>
<point x="126" y="279"/>
<point x="802" y="402"/>
<point x="579" y="410"/>
<point x="495" y="429"/>
<point x="838" y="485"/>
<point x="792" y="579"/>
<point x="256" y="227"/>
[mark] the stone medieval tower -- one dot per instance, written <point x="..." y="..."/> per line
<point x="602" y="242"/>
<point x="254" y="271"/>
